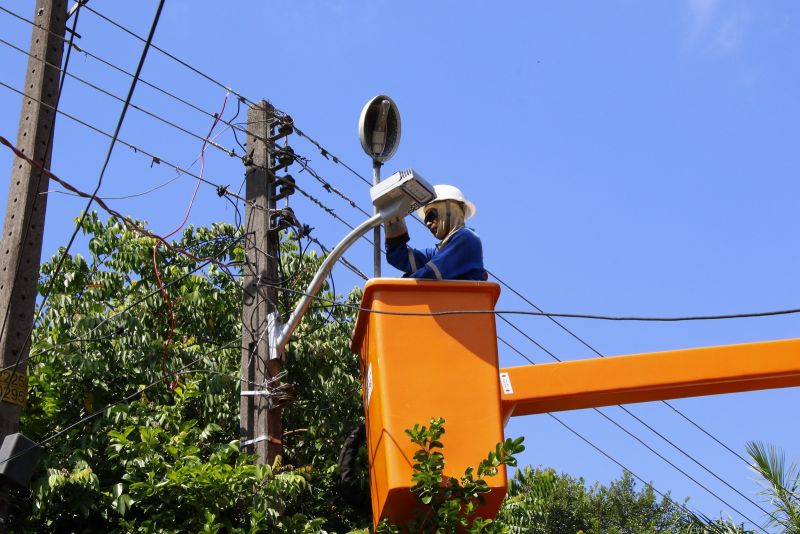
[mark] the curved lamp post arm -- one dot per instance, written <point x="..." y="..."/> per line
<point x="284" y="332"/>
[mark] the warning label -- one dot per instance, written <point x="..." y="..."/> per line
<point x="505" y="383"/>
<point x="13" y="387"/>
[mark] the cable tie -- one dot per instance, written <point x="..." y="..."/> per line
<point x="249" y="442"/>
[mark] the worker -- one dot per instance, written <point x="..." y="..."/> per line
<point x="459" y="254"/>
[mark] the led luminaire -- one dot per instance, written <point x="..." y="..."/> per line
<point x="400" y="194"/>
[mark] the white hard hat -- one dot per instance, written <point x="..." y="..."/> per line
<point x="449" y="192"/>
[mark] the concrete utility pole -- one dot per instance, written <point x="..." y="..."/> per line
<point x="24" y="223"/>
<point x="261" y="429"/>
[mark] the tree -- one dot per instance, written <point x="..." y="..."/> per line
<point x="781" y="484"/>
<point x="155" y="447"/>
<point x="541" y="501"/>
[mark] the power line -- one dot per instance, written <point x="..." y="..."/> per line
<point x="535" y="314"/>
<point x="229" y="151"/>
<point x="169" y="94"/>
<point x="640" y="479"/>
<point x="325" y="153"/>
<point x="303" y="162"/>
<point x="221" y="190"/>
<point x="125" y="220"/>
<point x="171" y="56"/>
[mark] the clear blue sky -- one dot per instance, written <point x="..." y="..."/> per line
<point x="635" y="158"/>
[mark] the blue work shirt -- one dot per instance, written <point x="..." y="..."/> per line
<point x="461" y="258"/>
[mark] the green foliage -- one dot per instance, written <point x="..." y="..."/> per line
<point x="153" y="457"/>
<point x="542" y="502"/>
<point x="450" y="504"/>
<point x="781" y="485"/>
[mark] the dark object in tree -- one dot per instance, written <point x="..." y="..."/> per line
<point x="348" y="472"/>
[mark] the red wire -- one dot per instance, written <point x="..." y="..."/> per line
<point x="168" y="341"/>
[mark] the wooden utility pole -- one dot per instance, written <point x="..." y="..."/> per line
<point x="260" y="415"/>
<point x="24" y="223"/>
<point x="23" y="227"/>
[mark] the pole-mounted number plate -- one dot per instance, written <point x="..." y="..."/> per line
<point x="13" y="387"/>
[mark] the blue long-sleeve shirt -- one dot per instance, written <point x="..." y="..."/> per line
<point x="461" y="258"/>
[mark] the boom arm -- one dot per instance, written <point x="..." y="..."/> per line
<point x="570" y="385"/>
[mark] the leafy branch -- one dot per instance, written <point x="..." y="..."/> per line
<point x="450" y="504"/>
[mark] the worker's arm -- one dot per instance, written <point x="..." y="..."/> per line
<point x="405" y="258"/>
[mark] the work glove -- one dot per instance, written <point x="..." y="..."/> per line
<point x="395" y="228"/>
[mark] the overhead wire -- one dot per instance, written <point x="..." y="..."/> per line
<point x="125" y="220"/>
<point x="234" y="126"/>
<point x="221" y="189"/>
<point x="325" y="153"/>
<point x="303" y="162"/>
<point x="175" y="231"/>
<point x="169" y="55"/>
<point x="156" y="159"/>
<point x="228" y="151"/>
<point x="516" y="312"/>
<point x="619" y="464"/>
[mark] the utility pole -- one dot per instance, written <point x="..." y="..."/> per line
<point x="23" y="227"/>
<point x="260" y="414"/>
<point x="24" y="222"/>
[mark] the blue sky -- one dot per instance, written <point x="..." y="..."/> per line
<point x="626" y="157"/>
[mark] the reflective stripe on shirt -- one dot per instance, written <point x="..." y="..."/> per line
<point x="435" y="270"/>
<point x="412" y="260"/>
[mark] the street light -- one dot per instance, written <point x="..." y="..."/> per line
<point x="393" y="199"/>
<point x="379" y="133"/>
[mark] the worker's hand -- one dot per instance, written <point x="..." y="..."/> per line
<point x="395" y="229"/>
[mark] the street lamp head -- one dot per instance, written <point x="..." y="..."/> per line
<point x="400" y="194"/>
<point x="379" y="128"/>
